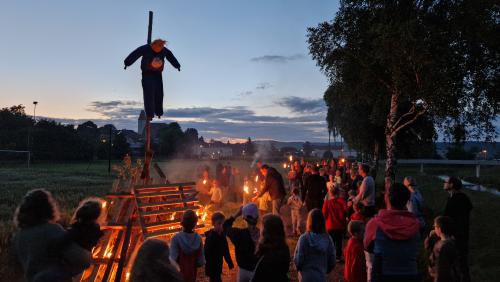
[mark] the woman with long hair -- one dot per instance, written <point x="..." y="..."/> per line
<point x="272" y="251"/>
<point x="315" y="252"/>
<point x="37" y="232"/>
<point x="152" y="263"/>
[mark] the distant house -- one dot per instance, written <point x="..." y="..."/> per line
<point x="213" y="152"/>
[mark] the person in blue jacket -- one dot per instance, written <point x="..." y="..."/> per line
<point x="152" y="64"/>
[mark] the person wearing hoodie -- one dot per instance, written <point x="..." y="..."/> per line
<point x="314" y="254"/>
<point x="393" y="236"/>
<point x="244" y="240"/>
<point x="186" y="247"/>
<point x="335" y="212"/>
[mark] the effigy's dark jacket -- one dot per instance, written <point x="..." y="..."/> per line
<point x="148" y="56"/>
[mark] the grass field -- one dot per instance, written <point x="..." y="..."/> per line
<point x="72" y="182"/>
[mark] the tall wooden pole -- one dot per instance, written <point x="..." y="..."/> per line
<point x="148" y="154"/>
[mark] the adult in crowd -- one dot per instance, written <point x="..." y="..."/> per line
<point x="274" y="185"/>
<point x="272" y="252"/>
<point x="416" y="202"/>
<point x="354" y="178"/>
<point x="34" y="241"/>
<point x="314" y="190"/>
<point x="314" y="253"/>
<point x="393" y="237"/>
<point x="152" y="263"/>
<point x="366" y="193"/>
<point x="458" y="207"/>
<point x="244" y="240"/>
<point x="443" y="261"/>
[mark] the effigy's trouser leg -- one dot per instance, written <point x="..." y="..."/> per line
<point x="159" y="98"/>
<point x="148" y="96"/>
<point x="152" y="87"/>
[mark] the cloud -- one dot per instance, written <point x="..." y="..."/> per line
<point x="302" y="105"/>
<point x="229" y="122"/>
<point x="246" y="93"/>
<point x="263" y="86"/>
<point x="277" y="58"/>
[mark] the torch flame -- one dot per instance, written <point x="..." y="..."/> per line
<point x="104" y="204"/>
<point x="284" y="165"/>
<point x="204" y="181"/>
<point x="245" y="188"/>
<point x="256" y="178"/>
<point x="291" y="158"/>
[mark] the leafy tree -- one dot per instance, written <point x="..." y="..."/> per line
<point x="89" y="134"/>
<point x="171" y="138"/>
<point x="307" y="148"/>
<point x="54" y="141"/>
<point x="120" y="146"/>
<point x="15" y="127"/>
<point x="407" y="60"/>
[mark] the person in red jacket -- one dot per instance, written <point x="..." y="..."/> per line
<point x="335" y="212"/>
<point x="355" y="264"/>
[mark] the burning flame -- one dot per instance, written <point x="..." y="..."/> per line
<point x="104" y="204"/>
<point x="204" y="181"/>
<point x="172" y="216"/>
<point x="284" y="165"/>
<point x="245" y="188"/>
<point x="202" y="213"/>
<point x="291" y="158"/>
<point x="127" y="276"/>
<point x="256" y="178"/>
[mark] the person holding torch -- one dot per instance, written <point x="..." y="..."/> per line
<point x="273" y="184"/>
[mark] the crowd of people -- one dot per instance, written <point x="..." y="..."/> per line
<point x="344" y="226"/>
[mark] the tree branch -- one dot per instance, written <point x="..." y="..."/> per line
<point x="393" y="133"/>
<point x="410" y="112"/>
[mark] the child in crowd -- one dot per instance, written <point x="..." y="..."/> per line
<point x="338" y="177"/>
<point x="444" y="264"/>
<point x="216" y="248"/>
<point x="85" y="229"/>
<point x="295" y="204"/>
<point x="187" y="247"/>
<point x="355" y="264"/>
<point x="244" y="240"/>
<point x="314" y="253"/>
<point x="335" y="212"/>
<point x="272" y="251"/>
<point x="358" y="212"/>
<point x="329" y="186"/>
<point x="215" y="193"/>
<point x="152" y="263"/>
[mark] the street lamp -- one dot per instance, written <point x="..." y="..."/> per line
<point x="34" y="110"/>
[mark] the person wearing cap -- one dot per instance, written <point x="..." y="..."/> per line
<point x="244" y="240"/>
<point x="152" y="64"/>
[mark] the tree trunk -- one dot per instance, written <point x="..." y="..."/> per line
<point x="376" y="155"/>
<point x="390" y="136"/>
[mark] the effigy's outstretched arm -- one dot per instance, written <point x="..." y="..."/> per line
<point x="136" y="54"/>
<point x="172" y="60"/>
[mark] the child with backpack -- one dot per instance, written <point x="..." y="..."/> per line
<point x="186" y="247"/>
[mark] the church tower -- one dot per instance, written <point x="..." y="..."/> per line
<point x="141" y="122"/>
